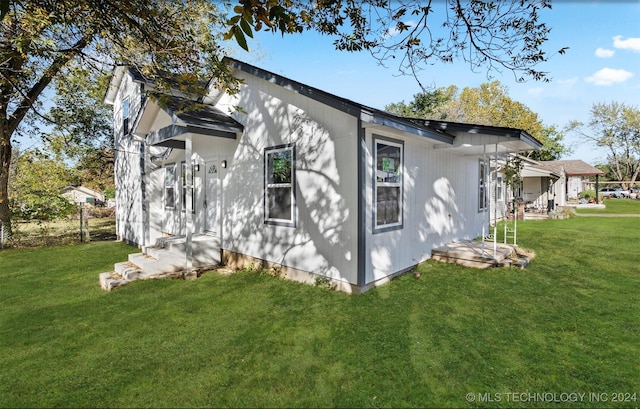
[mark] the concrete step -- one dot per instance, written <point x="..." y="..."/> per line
<point x="127" y="270"/>
<point x="166" y="259"/>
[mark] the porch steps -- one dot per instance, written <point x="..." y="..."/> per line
<point x="166" y="259"/>
<point x="478" y="255"/>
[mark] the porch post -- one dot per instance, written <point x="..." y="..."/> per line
<point x="484" y="192"/>
<point x="189" y="273"/>
<point x="495" y="202"/>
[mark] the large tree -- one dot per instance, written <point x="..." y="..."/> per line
<point x="615" y="127"/>
<point x="36" y="187"/>
<point x="496" y="35"/>
<point x="39" y="39"/>
<point x="488" y="104"/>
<point x="46" y="40"/>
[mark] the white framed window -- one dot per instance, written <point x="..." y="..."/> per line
<point x="170" y="186"/>
<point x="483" y="172"/>
<point x="499" y="188"/>
<point x="279" y="185"/>
<point x="126" y="113"/>
<point x="185" y="186"/>
<point x="388" y="189"/>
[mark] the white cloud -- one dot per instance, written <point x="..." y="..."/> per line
<point x="632" y="43"/>
<point x="604" y="53"/>
<point x="568" y="82"/>
<point x="609" y="76"/>
<point x="535" y="91"/>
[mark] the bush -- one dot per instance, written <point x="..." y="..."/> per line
<point x="587" y="194"/>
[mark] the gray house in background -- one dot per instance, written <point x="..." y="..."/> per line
<point x="309" y="182"/>
<point x="576" y="173"/>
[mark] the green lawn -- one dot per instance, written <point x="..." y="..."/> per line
<point x="616" y="206"/>
<point x="568" y="323"/>
<point x="65" y="231"/>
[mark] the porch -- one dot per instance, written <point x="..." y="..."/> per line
<point x="478" y="254"/>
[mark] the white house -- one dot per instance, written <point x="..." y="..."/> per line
<point x="543" y="187"/>
<point x="82" y="194"/>
<point x="313" y="183"/>
<point x="576" y="174"/>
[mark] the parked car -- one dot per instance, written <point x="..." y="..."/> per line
<point x="615" y="192"/>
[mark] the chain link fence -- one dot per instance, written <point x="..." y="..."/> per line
<point x="87" y="224"/>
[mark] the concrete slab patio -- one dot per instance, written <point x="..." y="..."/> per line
<point x="477" y="254"/>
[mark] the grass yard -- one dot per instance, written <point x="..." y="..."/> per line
<point x="65" y="231"/>
<point x="456" y="337"/>
<point x="616" y="206"/>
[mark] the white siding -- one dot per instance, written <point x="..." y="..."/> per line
<point x="440" y="205"/>
<point x="324" y="240"/>
<point x="574" y="187"/>
<point x="128" y="175"/>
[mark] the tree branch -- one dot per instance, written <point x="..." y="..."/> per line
<point x="34" y="92"/>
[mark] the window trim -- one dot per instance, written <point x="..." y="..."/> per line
<point x="183" y="187"/>
<point x="483" y="179"/>
<point x="167" y="186"/>
<point x="294" y="214"/>
<point x="126" y="118"/>
<point x="377" y="139"/>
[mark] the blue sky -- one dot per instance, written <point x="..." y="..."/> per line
<point x="601" y="65"/>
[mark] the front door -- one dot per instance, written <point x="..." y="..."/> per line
<point x="211" y="199"/>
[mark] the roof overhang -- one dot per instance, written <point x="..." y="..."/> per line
<point x="532" y="172"/>
<point x="174" y="135"/>
<point x="375" y="118"/>
<point x="168" y="126"/>
<point x="478" y="140"/>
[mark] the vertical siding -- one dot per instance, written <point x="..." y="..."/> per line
<point x="127" y="171"/>
<point x="440" y="205"/>
<point x="324" y="240"/>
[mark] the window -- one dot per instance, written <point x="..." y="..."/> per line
<point x="125" y="116"/>
<point x="499" y="188"/>
<point x="388" y="184"/>
<point x="185" y="187"/>
<point x="482" y="186"/>
<point x="169" y="186"/>
<point x="279" y="195"/>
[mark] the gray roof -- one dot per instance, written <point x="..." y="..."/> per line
<point x="197" y="114"/>
<point x="441" y="131"/>
<point x="574" y="167"/>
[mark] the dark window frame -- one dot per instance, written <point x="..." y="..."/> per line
<point x="483" y="187"/>
<point x="126" y="115"/>
<point x="399" y="184"/>
<point x="270" y="187"/>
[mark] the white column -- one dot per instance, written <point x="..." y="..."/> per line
<point x="189" y="273"/>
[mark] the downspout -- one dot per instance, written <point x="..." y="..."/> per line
<point x="144" y="161"/>
<point x="361" y="261"/>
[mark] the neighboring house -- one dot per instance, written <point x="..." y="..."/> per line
<point x="543" y="187"/>
<point x="83" y="194"/>
<point x="577" y="174"/>
<point x="310" y="182"/>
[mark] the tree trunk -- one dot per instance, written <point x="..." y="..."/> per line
<point x="9" y="122"/>
<point x="5" y="161"/>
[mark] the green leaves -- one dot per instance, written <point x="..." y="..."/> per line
<point x="258" y="14"/>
